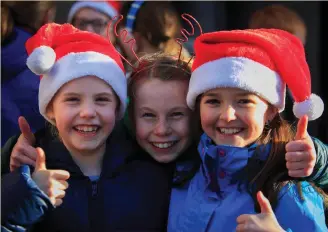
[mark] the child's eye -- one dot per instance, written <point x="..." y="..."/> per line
<point x="72" y="99"/>
<point x="245" y="101"/>
<point x="103" y="99"/>
<point x="177" y="114"/>
<point x="212" y="101"/>
<point x="148" y="115"/>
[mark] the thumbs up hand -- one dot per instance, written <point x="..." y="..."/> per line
<point x="23" y="151"/>
<point x="51" y="182"/>
<point x="265" y="221"/>
<point x="300" y="153"/>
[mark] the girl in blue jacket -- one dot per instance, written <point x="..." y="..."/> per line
<point x="238" y="88"/>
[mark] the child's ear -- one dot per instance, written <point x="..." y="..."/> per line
<point x="271" y="112"/>
<point x="50" y="112"/>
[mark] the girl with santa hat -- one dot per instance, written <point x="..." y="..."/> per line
<point x="238" y="87"/>
<point x="87" y="177"/>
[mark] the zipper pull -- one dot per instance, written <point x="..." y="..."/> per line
<point x="94" y="187"/>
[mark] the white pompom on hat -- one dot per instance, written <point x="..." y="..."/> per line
<point x="262" y="61"/>
<point x="61" y="53"/>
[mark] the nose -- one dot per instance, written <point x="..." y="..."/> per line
<point x="162" y="128"/>
<point x="228" y="113"/>
<point x="88" y="110"/>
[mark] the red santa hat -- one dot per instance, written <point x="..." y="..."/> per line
<point x="261" y="61"/>
<point x="61" y="53"/>
<point x="109" y="8"/>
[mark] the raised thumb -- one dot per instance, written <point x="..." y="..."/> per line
<point x="301" y="131"/>
<point x="26" y="130"/>
<point x="264" y="203"/>
<point x="40" y="163"/>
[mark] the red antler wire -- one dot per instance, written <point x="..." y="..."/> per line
<point x="123" y="35"/>
<point x="186" y="33"/>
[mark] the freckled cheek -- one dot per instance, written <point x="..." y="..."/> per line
<point x="182" y="128"/>
<point x="143" y="130"/>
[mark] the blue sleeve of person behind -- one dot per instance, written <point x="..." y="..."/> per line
<point x="23" y="202"/>
<point x="296" y="214"/>
<point x="19" y="97"/>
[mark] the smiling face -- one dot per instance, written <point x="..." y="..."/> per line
<point x="162" y="118"/>
<point x="84" y="116"/>
<point x="235" y="117"/>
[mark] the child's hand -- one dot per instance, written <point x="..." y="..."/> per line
<point x="23" y="152"/>
<point x="51" y="182"/>
<point x="300" y="153"/>
<point x="265" y="221"/>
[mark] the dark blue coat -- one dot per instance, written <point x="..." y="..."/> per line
<point x="19" y="87"/>
<point x="132" y="193"/>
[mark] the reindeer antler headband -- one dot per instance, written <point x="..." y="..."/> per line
<point x="123" y="34"/>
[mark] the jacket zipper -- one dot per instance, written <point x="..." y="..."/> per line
<point x="93" y="220"/>
<point x="94" y="187"/>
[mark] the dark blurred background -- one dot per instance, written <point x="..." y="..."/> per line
<point x="235" y="15"/>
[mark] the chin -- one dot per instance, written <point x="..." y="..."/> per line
<point x="89" y="146"/>
<point x="164" y="158"/>
<point x="166" y="161"/>
<point x="229" y="143"/>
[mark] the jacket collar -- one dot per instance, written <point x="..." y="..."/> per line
<point x="226" y="161"/>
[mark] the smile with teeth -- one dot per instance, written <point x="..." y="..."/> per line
<point x="229" y="131"/>
<point x="86" y="129"/>
<point x="164" y="145"/>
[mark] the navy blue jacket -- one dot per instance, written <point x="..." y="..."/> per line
<point x="19" y="87"/>
<point x="132" y="193"/>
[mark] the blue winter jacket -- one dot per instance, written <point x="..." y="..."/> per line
<point x="19" y="87"/>
<point x="213" y="199"/>
<point x="132" y="193"/>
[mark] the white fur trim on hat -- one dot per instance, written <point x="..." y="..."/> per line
<point x="41" y="60"/>
<point x="102" y="7"/>
<point x="237" y="72"/>
<point x="312" y="107"/>
<point x="75" y="65"/>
